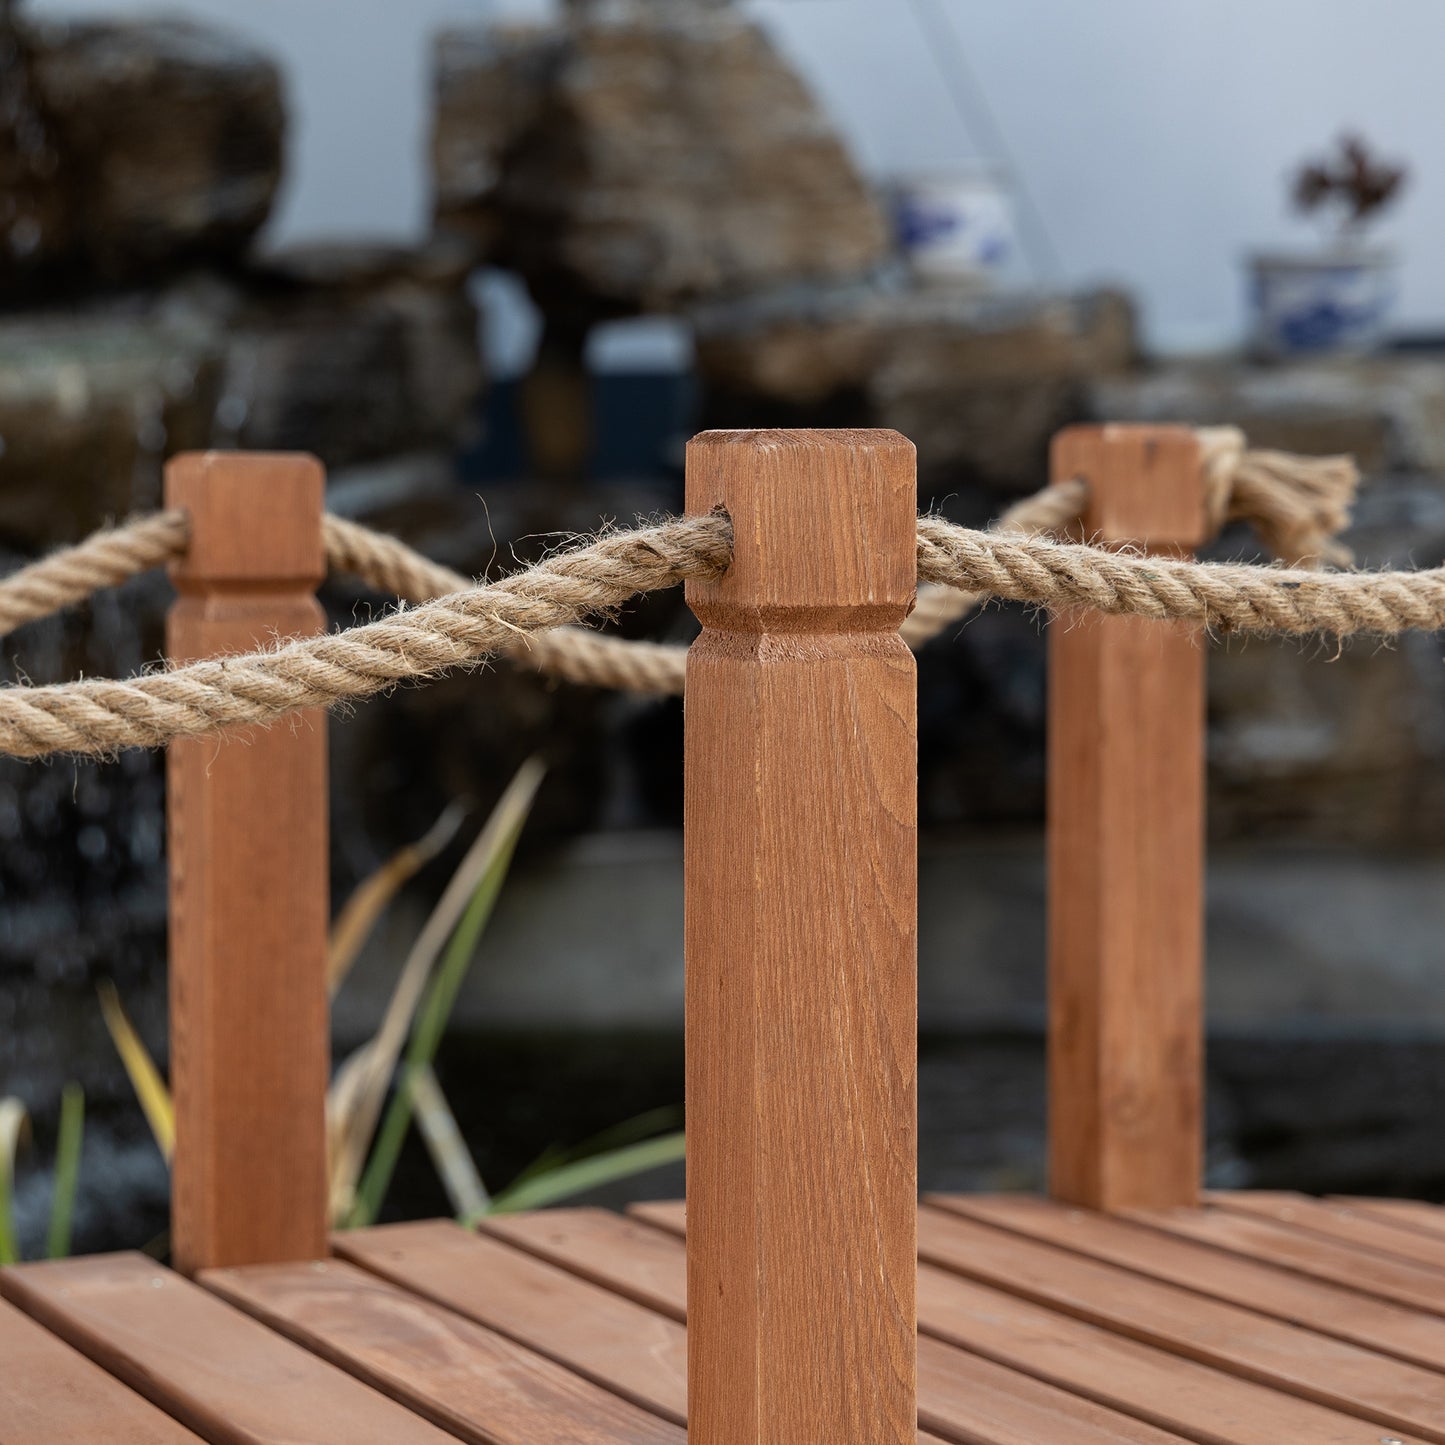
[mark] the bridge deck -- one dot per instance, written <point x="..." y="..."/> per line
<point x="1257" y="1319"/>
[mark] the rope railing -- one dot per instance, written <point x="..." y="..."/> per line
<point x="102" y="716"/>
<point x="1297" y="505"/>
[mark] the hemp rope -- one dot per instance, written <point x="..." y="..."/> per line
<point x="1296" y="504"/>
<point x="101" y="716"/>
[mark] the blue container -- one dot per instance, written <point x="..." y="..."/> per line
<point x="1333" y="302"/>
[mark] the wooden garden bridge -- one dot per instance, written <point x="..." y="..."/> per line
<point x="805" y="1298"/>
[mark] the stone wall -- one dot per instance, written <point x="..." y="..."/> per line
<point x="642" y="156"/>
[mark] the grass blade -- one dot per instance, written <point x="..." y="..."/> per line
<point x="582" y="1174"/>
<point x="145" y="1078"/>
<point x="369" y="899"/>
<point x="630" y="1131"/>
<point x="67" y="1170"/>
<point x="14" y="1128"/>
<point x="450" y="1156"/>
<point x="454" y="926"/>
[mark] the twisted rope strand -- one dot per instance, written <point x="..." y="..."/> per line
<point x="1297" y="504"/>
<point x="573" y="654"/>
<point x="460" y="629"/>
<point x="1229" y="597"/>
<point x="105" y="559"/>
<point x="101" y="716"/>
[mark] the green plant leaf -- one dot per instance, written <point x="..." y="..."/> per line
<point x="145" y="1078"/>
<point x="14" y="1129"/>
<point x="582" y="1174"/>
<point x="370" y="897"/>
<point x="67" y="1170"/>
<point x="630" y="1131"/>
<point x="423" y="1001"/>
<point x="450" y="1156"/>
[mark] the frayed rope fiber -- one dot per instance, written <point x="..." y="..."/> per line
<point x="100" y="716"/>
<point x="1297" y="505"/>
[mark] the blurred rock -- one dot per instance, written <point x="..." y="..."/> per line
<point x="979" y="383"/>
<point x="354" y="353"/>
<point x="90" y="403"/>
<point x="1338" y="743"/>
<point x="643" y="156"/>
<point x="34" y="216"/>
<point x="491" y="85"/>
<point x="157" y="141"/>
<point x="1388" y="411"/>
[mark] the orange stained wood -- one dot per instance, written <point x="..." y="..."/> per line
<point x="961" y="1396"/>
<point x="1341" y="1222"/>
<point x="1103" y="1336"/>
<point x="1167" y="1390"/>
<point x="1231" y="1337"/>
<point x="229" y="1378"/>
<point x="800" y="862"/>
<point x="248" y="867"/>
<point x="1420" y="1286"/>
<point x="472" y="1381"/>
<point x="1327" y="1307"/>
<point x="640" y="1353"/>
<point x="1407" y="1213"/>
<point x="50" y="1392"/>
<point x="1125" y="854"/>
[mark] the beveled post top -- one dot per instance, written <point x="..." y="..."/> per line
<point x="823" y="528"/>
<point x="255" y="517"/>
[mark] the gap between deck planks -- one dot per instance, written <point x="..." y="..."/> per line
<point x="231" y="1380"/>
<point x="1154" y="1381"/>
<point x="51" y="1392"/>
<point x="961" y="1398"/>
<point x="1039" y="1323"/>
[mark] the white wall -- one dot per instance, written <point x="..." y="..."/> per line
<point x="1153" y="134"/>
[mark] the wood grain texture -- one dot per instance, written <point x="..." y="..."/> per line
<point x="801" y="869"/>
<point x="1270" y="1242"/>
<point x="615" y="1342"/>
<point x="232" y="1380"/>
<point x="1180" y="1395"/>
<point x="468" y="1379"/>
<point x="960" y="1397"/>
<point x="1125" y="853"/>
<point x="1406" y="1213"/>
<point x="1327" y="1308"/>
<point x="629" y="1258"/>
<point x="249" y="881"/>
<point x="51" y="1393"/>
<point x="1339" y="1222"/>
<point x="1230" y="1337"/>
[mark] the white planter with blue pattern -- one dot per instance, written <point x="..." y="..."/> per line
<point x="956" y="227"/>
<point x="1330" y="302"/>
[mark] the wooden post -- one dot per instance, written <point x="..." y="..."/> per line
<point x="1126" y="849"/>
<point x="248" y="868"/>
<point x="801" y="877"/>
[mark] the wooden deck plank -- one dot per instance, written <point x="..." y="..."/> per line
<point x="1338" y="1222"/>
<point x="1230" y="1337"/>
<point x="1191" y="1399"/>
<point x="1326" y="1308"/>
<point x="229" y="1378"/>
<point x="1173" y="1393"/>
<point x="962" y="1397"/>
<point x="615" y="1342"/>
<point x="629" y="1258"/>
<point x="638" y="1350"/>
<point x="1285" y="1247"/>
<point x="50" y="1392"/>
<point x="1407" y="1213"/>
<point x="470" y="1380"/>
